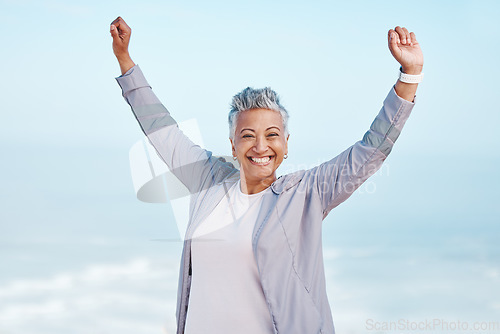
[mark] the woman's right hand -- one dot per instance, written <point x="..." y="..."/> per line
<point x="121" y="32"/>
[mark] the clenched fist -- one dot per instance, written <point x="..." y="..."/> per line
<point x="121" y="32"/>
<point x="406" y="50"/>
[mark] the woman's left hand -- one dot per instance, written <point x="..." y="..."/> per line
<point x="406" y="50"/>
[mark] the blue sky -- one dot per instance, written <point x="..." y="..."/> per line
<point x="418" y="241"/>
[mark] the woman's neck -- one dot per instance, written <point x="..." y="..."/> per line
<point x="251" y="187"/>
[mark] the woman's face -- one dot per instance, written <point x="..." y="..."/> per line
<point x="259" y="143"/>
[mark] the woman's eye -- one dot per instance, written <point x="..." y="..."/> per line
<point x="247" y="136"/>
<point x="273" y="135"/>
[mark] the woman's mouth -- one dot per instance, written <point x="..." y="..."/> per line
<point x="260" y="161"/>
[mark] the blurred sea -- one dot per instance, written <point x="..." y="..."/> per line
<point x="80" y="253"/>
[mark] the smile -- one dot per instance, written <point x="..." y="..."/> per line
<point x="260" y="161"/>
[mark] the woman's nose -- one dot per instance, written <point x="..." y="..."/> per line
<point x="260" y="145"/>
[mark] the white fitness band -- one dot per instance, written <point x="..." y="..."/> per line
<point x="408" y="78"/>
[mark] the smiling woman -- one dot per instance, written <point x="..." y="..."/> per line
<point x="258" y="131"/>
<point x="252" y="260"/>
<point x="260" y="144"/>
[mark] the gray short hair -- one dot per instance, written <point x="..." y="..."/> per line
<point x="250" y="98"/>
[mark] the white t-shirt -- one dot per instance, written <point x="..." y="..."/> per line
<point x="226" y="295"/>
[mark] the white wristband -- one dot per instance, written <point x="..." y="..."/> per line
<point x="408" y="78"/>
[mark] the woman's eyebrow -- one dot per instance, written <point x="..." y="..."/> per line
<point x="271" y="127"/>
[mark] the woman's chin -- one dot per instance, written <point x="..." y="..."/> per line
<point x="259" y="176"/>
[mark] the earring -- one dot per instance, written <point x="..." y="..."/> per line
<point x="234" y="158"/>
<point x="285" y="156"/>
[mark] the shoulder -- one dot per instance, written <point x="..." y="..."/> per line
<point x="287" y="181"/>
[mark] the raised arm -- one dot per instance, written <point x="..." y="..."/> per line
<point x="195" y="167"/>
<point x="335" y="180"/>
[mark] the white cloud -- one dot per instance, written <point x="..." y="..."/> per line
<point x="138" y="296"/>
<point x="330" y="253"/>
<point x="493" y="273"/>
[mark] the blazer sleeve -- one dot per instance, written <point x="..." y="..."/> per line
<point x="194" y="166"/>
<point x="337" y="179"/>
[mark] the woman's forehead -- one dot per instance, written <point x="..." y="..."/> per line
<point x="261" y="118"/>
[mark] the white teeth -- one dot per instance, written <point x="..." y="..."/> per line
<point x="261" y="160"/>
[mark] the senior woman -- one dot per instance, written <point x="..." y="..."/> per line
<point x="252" y="258"/>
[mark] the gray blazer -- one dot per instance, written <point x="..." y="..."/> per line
<point x="287" y="236"/>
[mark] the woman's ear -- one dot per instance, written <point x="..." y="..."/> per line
<point x="232" y="146"/>
<point x="286" y="144"/>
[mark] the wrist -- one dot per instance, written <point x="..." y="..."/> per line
<point x="410" y="78"/>
<point x="412" y="70"/>
<point x="126" y="63"/>
<point x="123" y="57"/>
